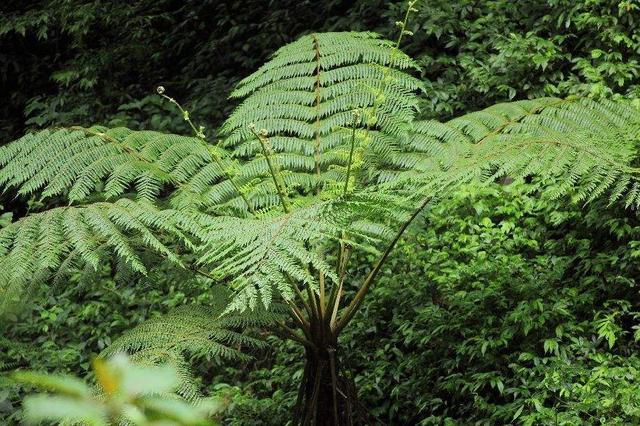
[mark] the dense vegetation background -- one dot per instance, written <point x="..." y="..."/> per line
<point x="500" y="308"/>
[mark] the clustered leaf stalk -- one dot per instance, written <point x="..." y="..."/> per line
<point x="319" y="317"/>
<point x="335" y="324"/>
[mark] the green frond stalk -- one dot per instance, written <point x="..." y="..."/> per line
<point x="273" y="169"/>
<point x="356" y="118"/>
<point x="199" y="133"/>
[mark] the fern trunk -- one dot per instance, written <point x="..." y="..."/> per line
<point x="326" y="396"/>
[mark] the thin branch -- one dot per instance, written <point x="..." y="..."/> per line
<point x="370" y="279"/>
<point x="305" y="304"/>
<point x="199" y="133"/>
<point x="312" y="302"/>
<point x="321" y="298"/>
<point x="336" y="291"/>
<point x="298" y="317"/>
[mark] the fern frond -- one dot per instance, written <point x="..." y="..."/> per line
<point x="194" y="333"/>
<point x="585" y="146"/>
<point x="304" y="98"/>
<point x="39" y="245"/>
<point x="78" y="162"/>
<point x="262" y="256"/>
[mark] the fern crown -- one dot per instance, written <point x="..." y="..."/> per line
<point x="323" y="148"/>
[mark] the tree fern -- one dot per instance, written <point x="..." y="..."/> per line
<point x="352" y="71"/>
<point x="322" y="157"/>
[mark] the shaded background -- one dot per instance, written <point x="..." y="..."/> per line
<point x="68" y="62"/>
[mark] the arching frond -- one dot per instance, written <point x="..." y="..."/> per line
<point x="35" y="247"/>
<point x="78" y="162"/>
<point x="194" y="333"/>
<point x="585" y="146"/>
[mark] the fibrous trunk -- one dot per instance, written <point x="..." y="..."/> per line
<point x="326" y="396"/>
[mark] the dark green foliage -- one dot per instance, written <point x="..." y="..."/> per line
<point x="92" y="61"/>
<point x="477" y="53"/>
<point x="473" y="54"/>
<point x="513" y="291"/>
